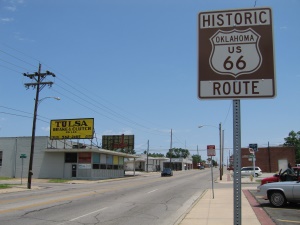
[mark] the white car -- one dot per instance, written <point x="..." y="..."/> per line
<point x="279" y="193"/>
<point x="248" y="170"/>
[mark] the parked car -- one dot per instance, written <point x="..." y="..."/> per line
<point x="201" y="167"/>
<point x="166" y="172"/>
<point x="279" y="193"/>
<point x="248" y="170"/>
<point x="282" y="176"/>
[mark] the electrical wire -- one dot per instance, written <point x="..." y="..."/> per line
<point x="85" y="100"/>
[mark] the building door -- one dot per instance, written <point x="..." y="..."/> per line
<point x="282" y="164"/>
<point x="74" y="170"/>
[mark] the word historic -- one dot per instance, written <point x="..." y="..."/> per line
<point x="236" y="18"/>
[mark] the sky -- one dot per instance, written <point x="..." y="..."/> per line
<point x="132" y="66"/>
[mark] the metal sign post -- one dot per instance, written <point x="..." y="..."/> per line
<point x="212" y="177"/>
<point x="236" y="61"/>
<point x="211" y="151"/>
<point x="254" y="149"/>
<point x="237" y="162"/>
<point x="22" y="156"/>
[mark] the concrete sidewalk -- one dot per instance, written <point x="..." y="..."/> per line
<point x="220" y="209"/>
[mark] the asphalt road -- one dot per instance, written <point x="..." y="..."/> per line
<point x="132" y="201"/>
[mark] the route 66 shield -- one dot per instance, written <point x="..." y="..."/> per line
<point x="235" y="52"/>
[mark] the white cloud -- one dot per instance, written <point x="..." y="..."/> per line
<point x="12" y="4"/>
<point x="126" y="131"/>
<point x="19" y="37"/>
<point x="11" y="8"/>
<point x="46" y="128"/>
<point x="6" y="20"/>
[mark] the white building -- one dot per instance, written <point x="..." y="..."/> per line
<point x="58" y="159"/>
<point x="153" y="164"/>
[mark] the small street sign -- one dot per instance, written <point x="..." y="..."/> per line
<point x="254" y="147"/>
<point x="23" y="156"/>
<point x="235" y="54"/>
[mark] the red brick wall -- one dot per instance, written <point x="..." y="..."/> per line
<point x="267" y="157"/>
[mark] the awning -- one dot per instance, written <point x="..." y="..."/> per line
<point x="94" y="150"/>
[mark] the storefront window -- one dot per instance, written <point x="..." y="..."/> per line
<point x="71" y="157"/>
<point x="84" y="157"/>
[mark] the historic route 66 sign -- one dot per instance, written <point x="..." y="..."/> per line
<point x="235" y="52"/>
<point x="235" y="55"/>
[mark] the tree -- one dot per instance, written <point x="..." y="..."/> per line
<point x="154" y="154"/>
<point x="178" y="153"/>
<point x="127" y="151"/>
<point x="214" y="163"/>
<point x="293" y="140"/>
<point x="196" y="158"/>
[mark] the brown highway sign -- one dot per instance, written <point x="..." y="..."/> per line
<point x="235" y="54"/>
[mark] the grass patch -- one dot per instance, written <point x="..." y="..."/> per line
<point x="4" y="186"/>
<point x="58" y="181"/>
<point x="5" y="178"/>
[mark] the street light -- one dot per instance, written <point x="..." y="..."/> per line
<point x="56" y="98"/>
<point x="37" y="102"/>
<point x="220" y="138"/>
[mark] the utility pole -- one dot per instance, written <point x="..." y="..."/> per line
<point x="171" y="151"/>
<point x="147" y="156"/>
<point x="222" y="152"/>
<point x="39" y="85"/>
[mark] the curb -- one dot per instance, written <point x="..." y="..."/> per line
<point x="260" y="213"/>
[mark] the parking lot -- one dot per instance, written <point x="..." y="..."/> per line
<point x="290" y="214"/>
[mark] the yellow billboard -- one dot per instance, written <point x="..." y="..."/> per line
<point x="72" y="129"/>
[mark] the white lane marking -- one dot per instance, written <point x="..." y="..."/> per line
<point x="151" y="191"/>
<point x="84" y="215"/>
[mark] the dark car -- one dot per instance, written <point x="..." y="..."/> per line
<point x="201" y="167"/>
<point x="166" y="172"/>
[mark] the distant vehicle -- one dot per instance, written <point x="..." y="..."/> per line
<point x="279" y="193"/>
<point x="166" y="172"/>
<point x="230" y="168"/>
<point x="248" y="170"/>
<point x="282" y="176"/>
<point x="201" y="167"/>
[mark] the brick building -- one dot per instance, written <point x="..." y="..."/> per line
<point x="270" y="159"/>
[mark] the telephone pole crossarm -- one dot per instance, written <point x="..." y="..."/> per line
<point x="28" y="85"/>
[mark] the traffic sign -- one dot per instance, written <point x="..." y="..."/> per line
<point x="23" y="156"/>
<point x="235" y="54"/>
<point x="211" y="150"/>
<point x="254" y="147"/>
